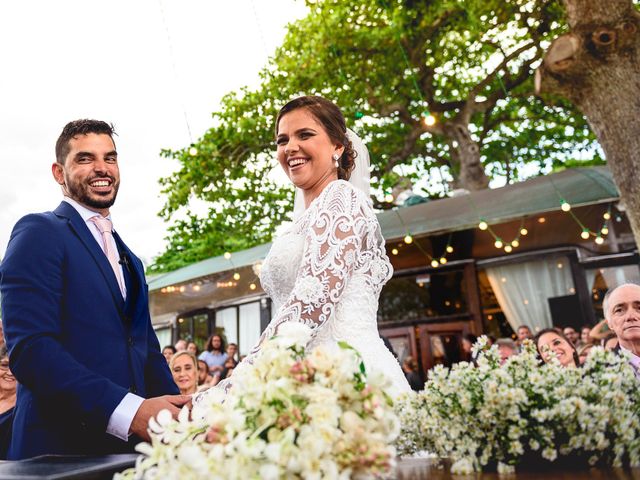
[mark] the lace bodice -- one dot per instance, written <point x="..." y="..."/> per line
<point x="333" y="256"/>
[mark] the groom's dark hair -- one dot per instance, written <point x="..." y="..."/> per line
<point x="80" y="127"/>
<point x="329" y="115"/>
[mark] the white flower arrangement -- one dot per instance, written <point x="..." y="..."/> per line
<point x="525" y="412"/>
<point x="292" y="414"/>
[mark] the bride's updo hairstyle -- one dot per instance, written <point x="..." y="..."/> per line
<point x="331" y="118"/>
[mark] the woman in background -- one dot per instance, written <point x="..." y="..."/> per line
<point x="550" y="340"/>
<point x="184" y="368"/>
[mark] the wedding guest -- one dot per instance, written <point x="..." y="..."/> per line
<point x="507" y="348"/>
<point x="7" y="401"/>
<point x="550" y="340"/>
<point x="184" y="368"/>
<point x="214" y="354"/>
<point x="523" y="333"/>
<point x="621" y="307"/>
<point x="467" y="342"/>
<point x="232" y="350"/>
<point x="181" y="345"/>
<point x="192" y="348"/>
<point x="168" y="352"/>
<point x="571" y="335"/>
<point x="410" y="369"/>
<point x="204" y="377"/>
<point x="610" y="342"/>
<point x="585" y="337"/>
<point x="600" y="331"/>
<point x="227" y="369"/>
<point x="584" y="351"/>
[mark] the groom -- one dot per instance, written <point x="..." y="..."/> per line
<point x="76" y="316"/>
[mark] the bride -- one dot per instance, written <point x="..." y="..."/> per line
<point x="328" y="268"/>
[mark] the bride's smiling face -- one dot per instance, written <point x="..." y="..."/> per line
<point x="305" y="150"/>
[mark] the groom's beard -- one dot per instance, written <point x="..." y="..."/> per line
<point x="80" y="192"/>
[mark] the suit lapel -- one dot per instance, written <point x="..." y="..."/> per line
<point x="80" y="229"/>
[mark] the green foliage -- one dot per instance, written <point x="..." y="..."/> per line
<point x="385" y="63"/>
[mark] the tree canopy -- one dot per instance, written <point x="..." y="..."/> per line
<point x="391" y="66"/>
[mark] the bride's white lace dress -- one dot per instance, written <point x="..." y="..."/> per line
<point x="327" y="271"/>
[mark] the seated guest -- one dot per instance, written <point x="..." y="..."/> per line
<point x="600" y="331"/>
<point x="550" y="340"/>
<point x="571" y="335"/>
<point x="181" y="345"/>
<point x="583" y="352"/>
<point x="7" y="401"/>
<point x="585" y="336"/>
<point x="523" y="333"/>
<point x="192" y="348"/>
<point x="621" y="307"/>
<point x="204" y="377"/>
<point x="507" y="348"/>
<point x="214" y="354"/>
<point x="232" y="350"/>
<point x="168" y="352"/>
<point x="410" y="369"/>
<point x="184" y="368"/>
<point x="227" y="370"/>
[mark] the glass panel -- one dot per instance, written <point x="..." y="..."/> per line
<point x="184" y="328"/>
<point x="602" y="279"/>
<point x="227" y="324"/>
<point x="249" y="326"/>
<point x="401" y="346"/>
<point x="200" y="330"/>
<point x="423" y="296"/>
<point x="164" y="337"/>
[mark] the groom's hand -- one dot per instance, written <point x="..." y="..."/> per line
<point x="150" y="408"/>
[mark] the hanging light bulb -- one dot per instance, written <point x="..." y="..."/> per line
<point x="523" y="231"/>
<point x="252" y="286"/>
<point x="394" y="251"/>
<point x="606" y="216"/>
<point x="408" y="239"/>
<point x="483" y="225"/>
<point x="508" y="248"/>
<point x="443" y="260"/>
<point x="449" y="249"/>
<point x="604" y="231"/>
<point x="434" y="263"/>
<point x="193" y="151"/>
<point x="227" y="255"/>
<point x="599" y="240"/>
<point x="585" y="234"/>
<point x="428" y="119"/>
<point x="236" y="276"/>
<point x="515" y="244"/>
<point x="564" y="206"/>
<point x="498" y="243"/>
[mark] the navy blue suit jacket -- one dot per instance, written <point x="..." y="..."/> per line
<point x="75" y="346"/>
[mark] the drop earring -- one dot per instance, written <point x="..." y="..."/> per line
<point x="335" y="157"/>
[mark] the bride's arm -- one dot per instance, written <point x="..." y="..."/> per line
<point x="335" y="245"/>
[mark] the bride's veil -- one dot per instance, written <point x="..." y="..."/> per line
<point x="360" y="176"/>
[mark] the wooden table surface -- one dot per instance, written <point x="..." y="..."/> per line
<point x="419" y="468"/>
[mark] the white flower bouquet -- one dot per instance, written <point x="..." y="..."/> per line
<point x="292" y="414"/>
<point x="524" y="413"/>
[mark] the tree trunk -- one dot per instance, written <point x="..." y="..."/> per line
<point x="465" y="158"/>
<point x="597" y="67"/>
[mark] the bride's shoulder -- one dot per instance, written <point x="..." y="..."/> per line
<point x="341" y="194"/>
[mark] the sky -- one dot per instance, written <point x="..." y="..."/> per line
<point x="154" y="68"/>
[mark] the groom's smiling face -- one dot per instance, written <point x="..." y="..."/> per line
<point x="90" y="173"/>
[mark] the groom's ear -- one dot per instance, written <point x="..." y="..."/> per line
<point x="57" y="170"/>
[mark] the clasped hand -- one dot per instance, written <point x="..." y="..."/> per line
<point x="151" y="407"/>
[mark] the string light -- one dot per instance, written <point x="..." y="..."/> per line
<point x="564" y="206"/>
<point x="443" y="260"/>
<point x="449" y="249"/>
<point x="434" y="263"/>
<point x="542" y="220"/>
<point x="515" y="244"/>
<point x="227" y="255"/>
<point x="236" y="276"/>
<point x="498" y="243"/>
<point x="585" y="234"/>
<point x="604" y="231"/>
<point x="394" y="251"/>
<point x="252" y="286"/>
<point x="606" y="216"/>
<point x="523" y="231"/>
<point x="428" y="119"/>
<point x="408" y="239"/>
<point x="483" y="225"/>
<point x="508" y="248"/>
<point x="599" y="240"/>
<point x="193" y="151"/>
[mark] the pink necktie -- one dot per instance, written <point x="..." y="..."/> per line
<point x="104" y="226"/>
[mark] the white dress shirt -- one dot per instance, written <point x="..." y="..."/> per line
<point x="634" y="360"/>
<point x="120" y="421"/>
